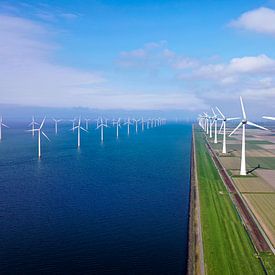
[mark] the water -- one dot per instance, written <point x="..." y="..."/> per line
<point x="117" y="208"/>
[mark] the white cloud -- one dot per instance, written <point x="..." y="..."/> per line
<point x="28" y="74"/>
<point x="261" y="20"/>
<point x="235" y="69"/>
<point x="154" y="56"/>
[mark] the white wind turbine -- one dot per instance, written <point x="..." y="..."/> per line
<point x="215" y="121"/>
<point x="101" y="125"/>
<point x="2" y="124"/>
<point x="207" y="123"/>
<point x="39" y="130"/>
<point x="79" y="128"/>
<point x="117" y="123"/>
<point x="243" y="123"/>
<point x="128" y="123"/>
<point x="142" y="124"/>
<point x="33" y="123"/>
<point x="87" y="123"/>
<point x="223" y="126"/>
<point x="73" y="121"/>
<point x="136" y="121"/>
<point x="55" y="124"/>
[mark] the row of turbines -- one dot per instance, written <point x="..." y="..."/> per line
<point x="207" y="122"/>
<point x="100" y="125"/>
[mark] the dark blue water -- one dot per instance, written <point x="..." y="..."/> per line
<point x="117" y="208"/>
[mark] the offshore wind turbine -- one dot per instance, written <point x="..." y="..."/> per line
<point x="136" y="123"/>
<point x="33" y="123"/>
<point x="101" y="125"/>
<point x="87" y="123"/>
<point x="73" y="121"/>
<point x="117" y="123"/>
<point x="2" y="124"/>
<point x="142" y="124"/>
<point x="39" y="131"/>
<point x="223" y="126"/>
<point x="243" y="123"/>
<point x="128" y="123"/>
<point x="79" y="128"/>
<point x="55" y="124"/>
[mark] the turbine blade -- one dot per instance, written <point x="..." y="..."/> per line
<point x="232" y="118"/>
<point x="45" y="135"/>
<point x="243" y="110"/>
<point x="240" y="124"/>
<point x="84" y="129"/>
<point x="221" y="127"/>
<point x="5" y="125"/>
<point x="256" y="125"/>
<point x="42" y="123"/>
<point x="269" y="117"/>
<point x="220" y="112"/>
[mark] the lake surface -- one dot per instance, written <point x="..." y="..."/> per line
<point x="118" y="208"/>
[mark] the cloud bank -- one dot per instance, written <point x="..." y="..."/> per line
<point x="261" y="20"/>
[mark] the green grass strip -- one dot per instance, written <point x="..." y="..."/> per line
<point x="227" y="246"/>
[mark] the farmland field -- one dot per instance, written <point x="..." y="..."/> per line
<point x="265" y="162"/>
<point x="263" y="206"/>
<point x="252" y="185"/>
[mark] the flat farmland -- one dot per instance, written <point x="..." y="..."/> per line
<point x="268" y="176"/>
<point x="263" y="206"/>
<point x="252" y="185"/>
<point x="265" y="162"/>
<point x="230" y="163"/>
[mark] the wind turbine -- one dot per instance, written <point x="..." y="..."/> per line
<point x="243" y="123"/>
<point x="117" y="123"/>
<point x="128" y="123"/>
<point x="79" y="127"/>
<point x="223" y="126"/>
<point x="101" y="125"/>
<point x="215" y="120"/>
<point x="87" y="123"/>
<point x="207" y="122"/>
<point x="39" y="130"/>
<point x="73" y="121"/>
<point x="136" y="123"/>
<point x="2" y="124"/>
<point x="33" y="123"/>
<point x="142" y="124"/>
<point x="55" y="124"/>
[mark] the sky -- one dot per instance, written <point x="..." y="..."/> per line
<point x="139" y="55"/>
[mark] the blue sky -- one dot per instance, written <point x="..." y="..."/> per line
<point x="167" y="55"/>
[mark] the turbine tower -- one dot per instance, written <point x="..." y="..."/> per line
<point x="2" y="124"/>
<point x="223" y="126"/>
<point x="136" y="123"/>
<point x="39" y="131"/>
<point x="87" y="123"/>
<point x="215" y="120"/>
<point x="117" y="123"/>
<point x="142" y="124"/>
<point x="128" y="123"/>
<point x="243" y="123"/>
<point x="101" y="125"/>
<point x="79" y="128"/>
<point x="55" y="124"/>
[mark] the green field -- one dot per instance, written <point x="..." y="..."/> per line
<point x="265" y="162"/>
<point x="227" y="247"/>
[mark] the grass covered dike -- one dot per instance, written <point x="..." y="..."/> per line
<point x="227" y="246"/>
